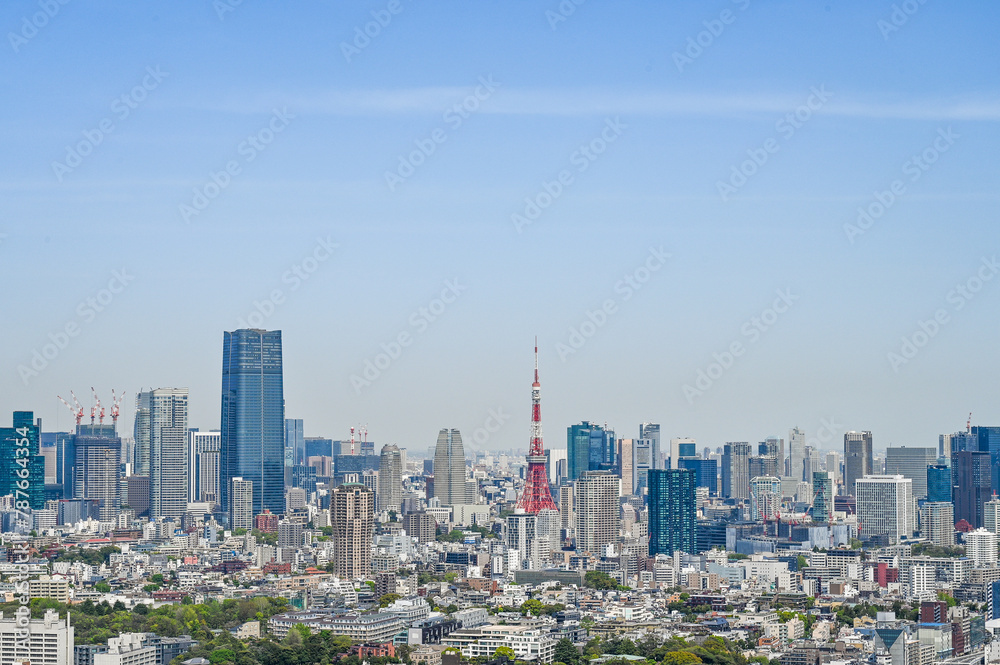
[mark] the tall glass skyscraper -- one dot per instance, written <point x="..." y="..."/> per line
<point x="253" y="417"/>
<point x="939" y="483"/>
<point x="589" y="447"/>
<point x="672" y="511"/>
<point x="22" y="475"/>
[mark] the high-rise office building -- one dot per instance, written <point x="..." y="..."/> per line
<point x="168" y="448"/>
<point x="98" y="467"/>
<point x="681" y="447"/>
<point x="390" y="479"/>
<point x="21" y="460"/>
<point x="988" y="440"/>
<point x="295" y="442"/>
<point x="642" y="458"/>
<point x="66" y="463"/>
<point x="764" y="465"/>
<point x="822" y="503"/>
<point x="858" y="458"/>
<point x="140" y="433"/>
<point x="765" y="498"/>
<point x="937" y="523"/>
<point x="651" y="431"/>
<point x="736" y="470"/>
<point x="589" y="447"/>
<point x="203" y="466"/>
<point x="981" y="547"/>
<point x="135" y="494"/>
<point x="672" y="511"/>
<point x="774" y="447"/>
<point x="596" y="497"/>
<point x="449" y="469"/>
<point x="706" y="473"/>
<point x="833" y="466"/>
<point x="352" y="515"/>
<point x="958" y="442"/>
<point x="991" y="515"/>
<point x="971" y="485"/>
<point x="317" y="446"/>
<point x="624" y="464"/>
<point x="253" y="417"/>
<point x="240" y="503"/>
<point x="796" y="453"/>
<point x="939" y="483"/>
<point x="912" y="463"/>
<point x="885" y="507"/>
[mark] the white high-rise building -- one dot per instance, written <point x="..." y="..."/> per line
<point x="127" y="649"/>
<point x="596" y="495"/>
<point x="203" y="469"/>
<point x="885" y="507"/>
<point x="168" y="453"/>
<point x="49" y="640"/>
<point x="991" y="515"/>
<point x="922" y="582"/>
<point x="981" y="547"/>
<point x="765" y="497"/>
<point x="533" y="537"/>
<point x="796" y="454"/>
<point x="390" y="479"/>
<point x="241" y="504"/>
<point x="937" y="523"/>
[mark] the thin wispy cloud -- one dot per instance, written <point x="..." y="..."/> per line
<point x="587" y="102"/>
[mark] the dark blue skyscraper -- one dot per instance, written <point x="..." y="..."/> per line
<point x="988" y="440"/>
<point x="253" y="417"/>
<point x="672" y="511"/>
<point x="22" y="467"/>
<point x="939" y="483"/>
<point x="706" y="473"/>
<point x="970" y="480"/>
<point x="588" y="448"/>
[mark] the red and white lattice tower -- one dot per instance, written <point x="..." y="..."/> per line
<point x="536" y="495"/>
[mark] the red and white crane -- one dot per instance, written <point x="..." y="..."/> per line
<point x="116" y="403"/>
<point x="77" y="412"/>
<point x="98" y="409"/>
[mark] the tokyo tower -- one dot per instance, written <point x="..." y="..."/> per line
<point x="536" y="495"/>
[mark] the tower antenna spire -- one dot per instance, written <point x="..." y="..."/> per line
<point x="536" y="495"/>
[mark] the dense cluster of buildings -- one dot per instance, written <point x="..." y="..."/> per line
<point x="433" y="547"/>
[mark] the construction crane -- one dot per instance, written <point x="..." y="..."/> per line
<point x="77" y="413"/>
<point x="79" y="406"/>
<point x="97" y="407"/>
<point x="116" y="403"/>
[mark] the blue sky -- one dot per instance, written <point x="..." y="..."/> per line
<point x="879" y="96"/>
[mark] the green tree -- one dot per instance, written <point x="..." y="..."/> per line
<point x="505" y="651"/>
<point x="948" y="598"/>
<point x="103" y="587"/>
<point x="595" y="579"/>
<point x="681" y="658"/>
<point x="388" y="599"/>
<point x="565" y="652"/>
